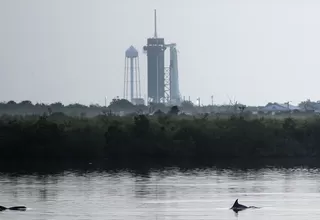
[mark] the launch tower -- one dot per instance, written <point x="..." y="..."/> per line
<point x="163" y="84"/>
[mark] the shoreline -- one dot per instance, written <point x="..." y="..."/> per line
<point x="52" y="167"/>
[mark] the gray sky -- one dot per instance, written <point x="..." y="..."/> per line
<point x="71" y="51"/>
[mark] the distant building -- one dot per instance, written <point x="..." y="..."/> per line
<point x="276" y="107"/>
<point x="312" y="106"/>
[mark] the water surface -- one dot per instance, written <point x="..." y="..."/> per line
<point x="169" y="193"/>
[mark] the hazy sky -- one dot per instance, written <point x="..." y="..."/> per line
<point x="71" y="51"/>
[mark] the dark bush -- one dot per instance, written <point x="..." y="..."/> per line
<point x="153" y="137"/>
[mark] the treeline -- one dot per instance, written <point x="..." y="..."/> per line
<point x="28" y="108"/>
<point x="124" y="107"/>
<point x="116" y="106"/>
<point x="166" y="137"/>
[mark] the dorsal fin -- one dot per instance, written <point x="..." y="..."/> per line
<point x="235" y="203"/>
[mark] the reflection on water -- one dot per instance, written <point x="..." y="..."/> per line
<point x="169" y="193"/>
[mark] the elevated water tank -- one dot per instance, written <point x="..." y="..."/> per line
<point x="131" y="52"/>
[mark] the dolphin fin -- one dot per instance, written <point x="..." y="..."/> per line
<point x="235" y="203"/>
<point x="18" y="208"/>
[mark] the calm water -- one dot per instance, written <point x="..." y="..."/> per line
<point x="163" y="194"/>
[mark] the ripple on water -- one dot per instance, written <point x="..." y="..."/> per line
<point x="166" y="194"/>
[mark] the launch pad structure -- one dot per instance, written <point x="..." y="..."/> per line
<point x="163" y="81"/>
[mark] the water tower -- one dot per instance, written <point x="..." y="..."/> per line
<point x="132" y="77"/>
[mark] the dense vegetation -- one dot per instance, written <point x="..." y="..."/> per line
<point x="115" y="106"/>
<point x="157" y="137"/>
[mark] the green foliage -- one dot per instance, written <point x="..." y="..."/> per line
<point x="11" y="103"/>
<point x="121" y="105"/>
<point x="26" y="102"/>
<point x="174" y="110"/>
<point x="158" y="107"/>
<point x="187" y="106"/>
<point x="165" y="136"/>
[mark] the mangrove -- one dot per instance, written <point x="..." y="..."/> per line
<point x="164" y="136"/>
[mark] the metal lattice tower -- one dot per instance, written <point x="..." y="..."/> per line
<point x="132" y="76"/>
<point x="167" y="85"/>
<point x="172" y="90"/>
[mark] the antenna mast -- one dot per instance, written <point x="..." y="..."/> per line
<point x="155" y="24"/>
